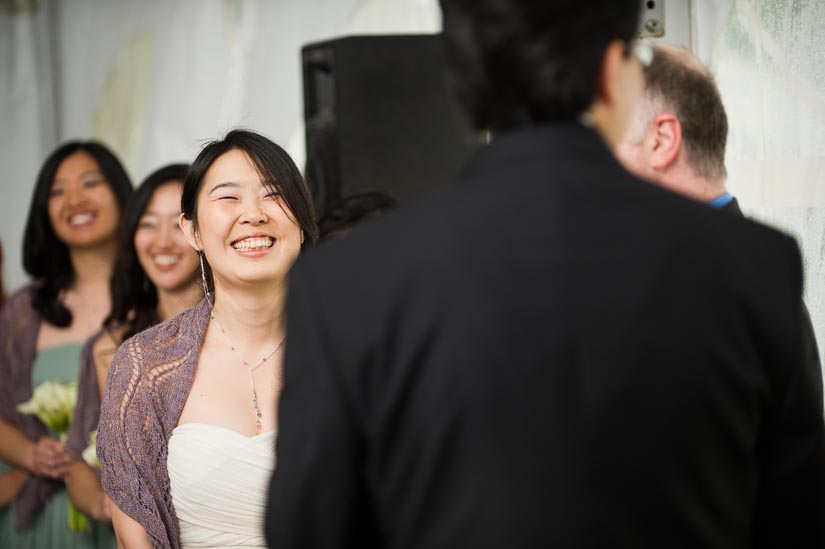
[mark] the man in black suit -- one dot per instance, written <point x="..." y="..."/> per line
<point x="677" y="140"/>
<point x="550" y="353"/>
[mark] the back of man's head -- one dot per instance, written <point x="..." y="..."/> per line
<point x="522" y="62"/>
<point x="678" y="83"/>
<point x="344" y="214"/>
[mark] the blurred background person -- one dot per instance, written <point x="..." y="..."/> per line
<point x="677" y="140"/>
<point x="69" y="250"/>
<point x="155" y="278"/>
<point x="187" y="425"/>
<point x="679" y="130"/>
<point x="344" y="214"/>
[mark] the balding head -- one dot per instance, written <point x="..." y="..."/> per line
<point x="678" y="87"/>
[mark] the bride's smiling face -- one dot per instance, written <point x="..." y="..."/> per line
<point x="245" y="228"/>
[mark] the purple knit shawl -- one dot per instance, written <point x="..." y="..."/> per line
<point x="87" y="409"/>
<point x="19" y="327"/>
<point x="147" y="386"/>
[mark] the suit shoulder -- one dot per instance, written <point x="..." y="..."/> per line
<point x="763" y="246"/>
<point x="754" y="259"/>
<point x="738" y="236"/>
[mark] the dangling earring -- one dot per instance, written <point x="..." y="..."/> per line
<point x="203" y="279"/>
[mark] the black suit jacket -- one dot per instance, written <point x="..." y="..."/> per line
<point x="550" y="353"/>
<point x="732" y="207"/>
<point x="809" y="345"/>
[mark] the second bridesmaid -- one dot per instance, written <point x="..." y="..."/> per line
<point x="156" y="277"/>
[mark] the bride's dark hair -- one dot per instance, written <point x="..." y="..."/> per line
<point x="277" y="170"/>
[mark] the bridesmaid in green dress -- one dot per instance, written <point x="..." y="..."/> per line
<point x="69" y="251"/>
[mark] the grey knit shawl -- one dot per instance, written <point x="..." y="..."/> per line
<point x="87" y="409"/>
<point x="146" y="389"/>
<point x="19" y="327"/>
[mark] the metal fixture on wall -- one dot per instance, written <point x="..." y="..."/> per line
<point x="652" y="19"/>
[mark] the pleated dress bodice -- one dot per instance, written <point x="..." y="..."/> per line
<point x="218" y="482"/>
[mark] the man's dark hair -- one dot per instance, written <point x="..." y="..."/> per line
<point x="521" y="62"/>
<point x="344" y="214"/>
<point x="278" y="173"/>
<point x="45" y="257"/>
<point x="134" y="296"/>
<point x="691" y="93"/>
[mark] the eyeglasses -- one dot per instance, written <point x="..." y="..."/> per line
<point x="642" y="51"/>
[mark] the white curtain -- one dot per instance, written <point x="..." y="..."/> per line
<point x="28" y="126"/>
<point x="768" y="60"/>
<point x="155" y="79"/>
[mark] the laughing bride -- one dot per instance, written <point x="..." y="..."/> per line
<point x="188" y="421"/>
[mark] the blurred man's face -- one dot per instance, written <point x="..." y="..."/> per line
<point x="632" y="85"/>
<point x="632" y="157"/>
<point x="630" y="150"/>
<point x="621" y="82"/>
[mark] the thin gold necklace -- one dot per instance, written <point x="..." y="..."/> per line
<point x="248" y="368"/>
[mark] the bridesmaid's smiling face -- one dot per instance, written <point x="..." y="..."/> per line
<point x="82" y="207"/>
<point x="166" y="257"/>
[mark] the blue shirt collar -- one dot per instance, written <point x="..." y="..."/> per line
<point x="721" y="201"/>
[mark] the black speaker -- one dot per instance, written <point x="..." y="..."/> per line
<point x="378" y="117"/>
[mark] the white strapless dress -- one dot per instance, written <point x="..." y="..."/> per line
<point x="218" y="481"/>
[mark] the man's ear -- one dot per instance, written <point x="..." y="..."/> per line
<point x="663" y="141"/>
<point x="190" y="233"/>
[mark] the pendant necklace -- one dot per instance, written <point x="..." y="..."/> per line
<point x="248" y="368"/>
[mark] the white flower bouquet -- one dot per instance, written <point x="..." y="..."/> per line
<point x="89" y="455"/>
<point x="53" y="403"/>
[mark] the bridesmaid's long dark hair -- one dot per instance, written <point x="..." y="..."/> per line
<point x="134" y="296"/>
<point x="45" y="257"/>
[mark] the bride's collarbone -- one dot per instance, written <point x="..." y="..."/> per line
<point x="222" y="389"/>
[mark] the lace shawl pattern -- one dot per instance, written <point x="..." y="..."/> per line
<point x="147" y="386"/>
